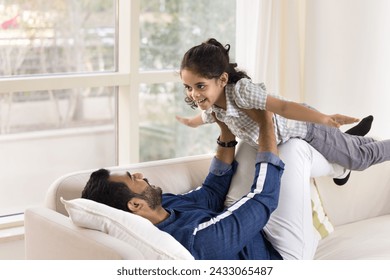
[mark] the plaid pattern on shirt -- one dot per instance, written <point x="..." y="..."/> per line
<point x="247" y="95"/>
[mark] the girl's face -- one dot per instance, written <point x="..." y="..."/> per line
<point x="205" y="92"/>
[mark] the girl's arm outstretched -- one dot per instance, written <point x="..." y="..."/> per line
<point x="191" y="122"/>
<point x="299" y="112"/>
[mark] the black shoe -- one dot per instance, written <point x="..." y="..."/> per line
<point x="361" y="129"/>
<point x="342" y="181"/>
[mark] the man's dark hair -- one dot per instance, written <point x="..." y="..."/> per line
<point x="100" y="189"/>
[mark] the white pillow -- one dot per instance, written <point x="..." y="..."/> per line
<point x="151" y="242"/>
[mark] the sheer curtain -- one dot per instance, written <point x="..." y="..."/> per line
<point x="270" y="44"/>
<point x="333" y="55"/>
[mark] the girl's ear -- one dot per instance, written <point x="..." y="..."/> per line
<point x="224" y="79"/>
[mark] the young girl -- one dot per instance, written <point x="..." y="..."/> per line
<point x="214" y="85"/>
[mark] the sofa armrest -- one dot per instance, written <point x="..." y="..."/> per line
<point x="51" y="235"/>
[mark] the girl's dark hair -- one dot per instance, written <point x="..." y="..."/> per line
<point x="100" y="189"/>
<point x="210" y="60"/>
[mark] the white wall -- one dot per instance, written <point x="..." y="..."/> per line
<point x="331" y="54"/>
<point x="347" y="59"/>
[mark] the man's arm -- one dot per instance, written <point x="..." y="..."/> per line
<point x="225" y="154"/>
<point x="216" y="185"/>
<point x="267" y="138"/>
<point x="213" y="239"/>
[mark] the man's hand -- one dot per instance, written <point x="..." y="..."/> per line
<point x="257" y="115"/>
<point x="267" y="138"/>
<point x="225" y="154"/>
<point x="226" y="134"/>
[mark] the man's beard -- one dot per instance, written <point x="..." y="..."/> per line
<point x="153" y="196"/>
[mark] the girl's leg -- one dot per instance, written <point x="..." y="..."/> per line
<point x="352" y="152"/>
<point x="290" y="228"/>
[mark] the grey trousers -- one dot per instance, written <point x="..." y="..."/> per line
<point x="349" y="151"/>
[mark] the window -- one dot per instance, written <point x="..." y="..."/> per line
<point x="77" y="92"/>
<point x="167" y="30"/>
<point x="59" y="36"/>
<point x="162" y="136"/>
<point x="66" y="124"/>
<point x="46" y="138"/>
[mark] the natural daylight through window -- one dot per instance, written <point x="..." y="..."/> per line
<point x="89" y="84"/>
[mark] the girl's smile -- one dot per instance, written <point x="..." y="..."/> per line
<point x="200" y="101"/>
<point x="205" y="92"/>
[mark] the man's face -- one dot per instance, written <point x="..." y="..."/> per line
<point x="140" y="185"/>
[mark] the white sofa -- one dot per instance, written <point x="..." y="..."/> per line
<point x="358" y="211"/>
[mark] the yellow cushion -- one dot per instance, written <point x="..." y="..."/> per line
<point x="321" y="220"/>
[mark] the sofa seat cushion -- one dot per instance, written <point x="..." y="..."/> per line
<point x="363" y="240"/>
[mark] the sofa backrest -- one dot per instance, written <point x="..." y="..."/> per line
<point x="177" y="175"/>
<point x="366" y="195"/>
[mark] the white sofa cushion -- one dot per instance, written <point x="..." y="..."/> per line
<point x="141" y="233"/>
<point x="362" y="240"/>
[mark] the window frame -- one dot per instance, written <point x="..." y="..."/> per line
<point x="127" y="79"/>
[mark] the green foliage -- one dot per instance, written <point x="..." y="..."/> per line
<point x="170" y="27"/>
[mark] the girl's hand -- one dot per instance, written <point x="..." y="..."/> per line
<point x="191" y="122"/>
<point x="337" y="120"/>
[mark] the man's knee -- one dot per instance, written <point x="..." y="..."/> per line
<point x="295" y="151"/>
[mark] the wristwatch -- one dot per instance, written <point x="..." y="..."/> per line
<point x="229" y="144"/>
